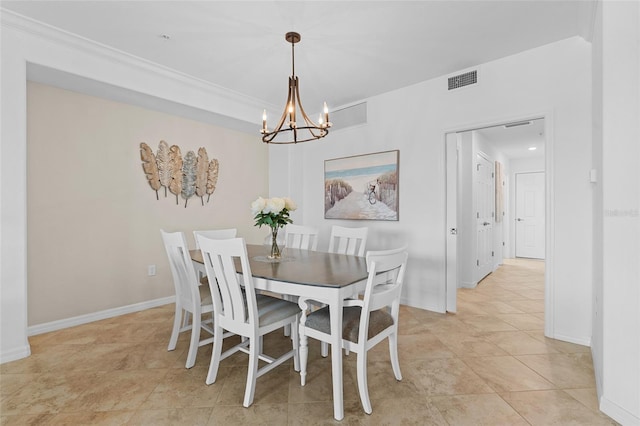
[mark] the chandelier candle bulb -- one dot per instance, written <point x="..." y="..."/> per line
<point x="326" y="113"/>
<point x="292" y="120"/>
<point x="264" y="121"/>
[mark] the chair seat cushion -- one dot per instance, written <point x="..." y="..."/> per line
<point x="273" y="309"/>
<point x="378" y="321"/>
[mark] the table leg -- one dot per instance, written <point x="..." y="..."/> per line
<point x="335" y="312"/>
<point x="304" y="355"/>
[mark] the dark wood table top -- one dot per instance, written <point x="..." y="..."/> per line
<point x="303" y="266"/>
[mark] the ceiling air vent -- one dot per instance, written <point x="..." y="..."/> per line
<point x="349" y="116"/>
<point x="519" y="123"/>
<point x="462" y="80"/>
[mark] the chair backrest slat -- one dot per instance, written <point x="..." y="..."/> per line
<point x="301" y="237"/>
<point x="184" y="276"/>
<point x="350" y="241"/>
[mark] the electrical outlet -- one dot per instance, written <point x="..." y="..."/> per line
<point x="151" y="270"/>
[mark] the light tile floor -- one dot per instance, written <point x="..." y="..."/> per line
<point x="488" y="364"/>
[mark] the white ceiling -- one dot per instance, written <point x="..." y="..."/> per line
<point x="515" y="139"/>
<point x="350" y="50"/>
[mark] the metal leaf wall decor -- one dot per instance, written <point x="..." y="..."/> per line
<point x="202" y="168"/>
<point x="212" y="177"/>
<point x="164" y="165"/>
<point x="186" y="177"/>
<point x="150" y="167"/>
<point x="175" y="157"/>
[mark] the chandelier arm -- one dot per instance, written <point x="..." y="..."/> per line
<point x="304" y="115"/>
<point x="269" y="136"/>
<point x="310" y="124"/>
<point x="291" y="100"/>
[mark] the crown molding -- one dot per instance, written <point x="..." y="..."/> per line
<point x="73" y="41"/>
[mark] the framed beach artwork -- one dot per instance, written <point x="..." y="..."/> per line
<point x="362" y="187"/>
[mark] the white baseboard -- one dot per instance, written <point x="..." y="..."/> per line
<point x="468" y="284"/>
<point x="570" y="339"/>
<point x="96" y="316"/>
<point x="426" y="307"/>
<point x="15" y="354"/>
<point x="618" y="413"/>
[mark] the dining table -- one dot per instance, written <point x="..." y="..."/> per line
<point x="328" y="278"/>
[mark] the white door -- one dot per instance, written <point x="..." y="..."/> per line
<point x="485" y="203"/>
<point x="452" y="150"/>
<point x="530" y="215"/>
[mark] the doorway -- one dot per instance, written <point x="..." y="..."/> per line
<point x="484" y="197"/>
<point x="513" y="147"/>
<point x="529" y="225"/>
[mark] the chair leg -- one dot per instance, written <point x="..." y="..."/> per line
<point x="304" y="354"/>
<point x="195" y="339"/>
<point x="362" y="381"/>
<point x="393" y="354"/>
<point x="216" y="353"/>
<point x="177" y="318"/>
<point x="295" y="341"/>
<point x="252" y="372"/>
<point x="324" y="349"/>
<point x="287" y="328"/>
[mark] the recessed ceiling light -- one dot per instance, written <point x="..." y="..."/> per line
<point x="532" y="148"/>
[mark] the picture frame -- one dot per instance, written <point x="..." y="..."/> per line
<point x="362" y="187"/>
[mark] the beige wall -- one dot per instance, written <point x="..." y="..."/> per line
<point x="93" y="221"/>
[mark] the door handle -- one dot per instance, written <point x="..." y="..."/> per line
<point x="486" y="224"/>
<point x="520" y="219"/>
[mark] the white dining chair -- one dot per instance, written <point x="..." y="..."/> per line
<point x="348" y="240"/>
<point x="192" y="300"/>
<point x="301" y="237"/>
<point x="216" y="234"/>
<point x="343" y="240"/>
<point x="366" y="322"/>
<point x="238" y="309"/>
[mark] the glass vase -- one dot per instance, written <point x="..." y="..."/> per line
<point x="276" y="249"/>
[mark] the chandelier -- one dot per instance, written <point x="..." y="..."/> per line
<point x="295" y="131"/>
